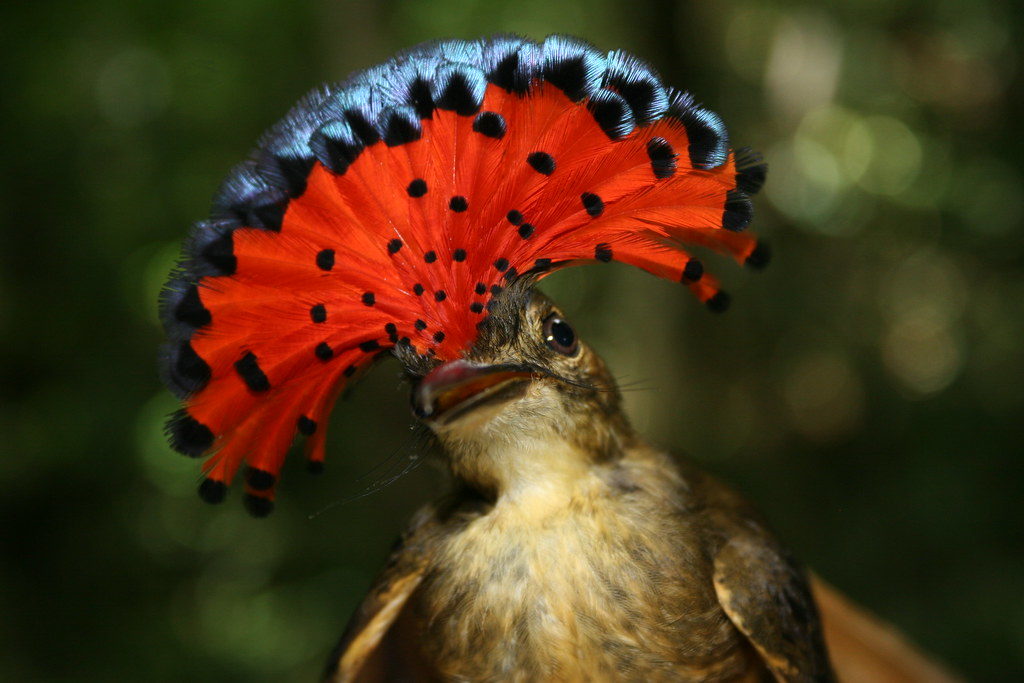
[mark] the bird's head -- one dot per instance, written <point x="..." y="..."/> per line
<point x="529" y="386"/>
<point x="411" y="209"/>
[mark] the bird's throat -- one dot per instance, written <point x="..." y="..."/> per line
<point x="536" y="472"/>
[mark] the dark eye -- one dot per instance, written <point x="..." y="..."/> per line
<point x="560" y="336"/>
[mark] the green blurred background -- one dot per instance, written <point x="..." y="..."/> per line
<point x="866" y="390"/>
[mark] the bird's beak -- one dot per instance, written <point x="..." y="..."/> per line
<point x="455" y="388"/>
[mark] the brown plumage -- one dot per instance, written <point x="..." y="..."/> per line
<point x="569" y="549"/>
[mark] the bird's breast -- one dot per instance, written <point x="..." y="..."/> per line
<point x="603" y="586"/>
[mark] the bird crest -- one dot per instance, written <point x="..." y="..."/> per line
<point x="391" y="210"/>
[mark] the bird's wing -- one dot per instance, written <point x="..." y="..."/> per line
<point x="767" y="597"/>
<point x="378" y="639"/>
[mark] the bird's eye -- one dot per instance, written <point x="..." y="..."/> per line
<point x="559" y="335"/>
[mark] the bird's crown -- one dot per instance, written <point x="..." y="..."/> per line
<point x="391" y="210"/>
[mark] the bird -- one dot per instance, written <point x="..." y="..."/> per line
<point x="571" y="549"/>
<point x="411" y="210"/>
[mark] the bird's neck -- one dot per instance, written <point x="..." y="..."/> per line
<point x="536" y="472"/>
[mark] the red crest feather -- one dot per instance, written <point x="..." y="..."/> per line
<point x="349" y="234"/>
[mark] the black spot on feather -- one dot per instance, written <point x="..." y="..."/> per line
<point x="526" y="231"/>
<point x="438" y="337"/>
<point x="458" y="96"/>
<point x="751" y="171"/>
<point x="261" y="480"/>
<point x="219" y="255"/>
<point x="646" y="97"/>
<point x="362" y="127"/>
<point x="458" y="204"/>
<point x="212" y="492"/>
<point x="421" y="99"/>
<point x="459" y="255"/>
<point x="490" y="123"/>
<point x="592" y="203"/>
<point x="336" y="146"/>
<point x="293" y="171"/>
<point x="267" y="216"/>
<point x="440" y="295"/>
<point x="541" y="162"/>
<point x="257" y="506"/>
<point x="514" y="217"/>
<point x="337" y="156"/>
<point x="480" y="288"/>
<point x="349" y="371"/>
<point x="306" y="426"/>
<point x="568" y="75"/>
<point x="612" y="113"/>
<point x="190" y="373"/>
<point x="662" y="156"/>
<point x="476" y="307"/>
<point x="430" y="256"/>
<point x="394" y="245"/>
<point x="190" y="309"/>
<point x="693" y="270"/>
<point x="325" y="259"/>
<point x="542" y="264"/>
<point x="508" y="75"/>
<point x="369" y="346"/>
<point x="501" y="264"/>
<point x="420" y="324"/>
<point x="760" y="257"/>
<point x="403" y="126"/>
<point x="417" y="188"/>
<point x="417" y="289"/>
<point x="392" y="331"/>
<point x="318" y="313"/>
<point x="603" y="252"/>
<point x="719" y="303"/>
<point x="709" y="140"/>
<point x="738" y="211"/>
<point x="248" y="368"/>
<point x="369" y="299"/>
<point x="324" y="351"/>
<point x="188" y="435"/>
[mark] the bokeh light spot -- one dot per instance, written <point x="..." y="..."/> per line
<point x="897" y="157"/>
<point x="922" y="353"/>
<point x="823" y="396"/>
<point x="927" y="280"/>
<point x="803" y="66"/>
